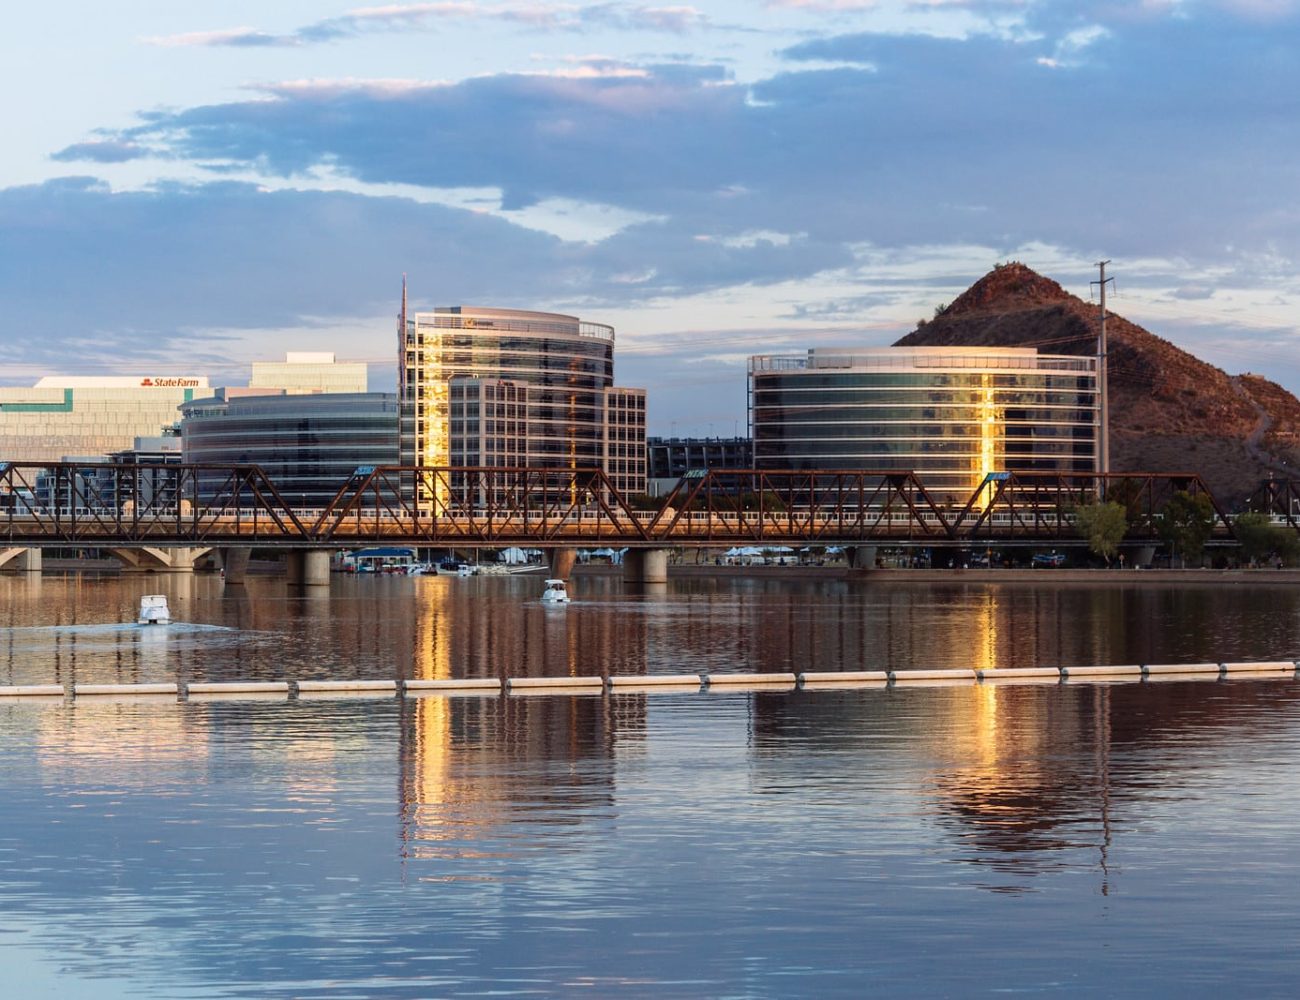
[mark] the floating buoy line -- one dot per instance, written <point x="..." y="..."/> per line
<point x="306" y="690"/>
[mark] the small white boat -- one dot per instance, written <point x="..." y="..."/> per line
<point x="154" y="610"/>
<point x="555" y="593"/>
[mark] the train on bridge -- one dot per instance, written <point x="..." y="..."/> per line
<point x="128" y="505"/>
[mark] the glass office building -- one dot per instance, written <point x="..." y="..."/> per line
<point x="530" y="388"/>
<point x="951" y="414"/>
<point x="81" y="416"/>
<point x="308" y="445"/>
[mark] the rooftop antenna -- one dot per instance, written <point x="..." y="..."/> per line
<point x="401" y="341"/>
<point x="1103" y="401"/>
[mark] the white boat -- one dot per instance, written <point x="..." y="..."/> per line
<point x="451" y="567"/>
<point x="555" y="593"/>
<point x="154" y="610"/>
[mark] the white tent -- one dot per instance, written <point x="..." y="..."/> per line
<point x="513" y="557"/>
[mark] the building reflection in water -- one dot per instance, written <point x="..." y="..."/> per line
<point x="1024" y="775"/>
<point x="477" y="774"/>
<point x="1019" y="774"/>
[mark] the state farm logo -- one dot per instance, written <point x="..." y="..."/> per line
<point x="169" y="383"/>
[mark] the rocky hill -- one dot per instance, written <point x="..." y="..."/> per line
<point x="1170" y="411"/>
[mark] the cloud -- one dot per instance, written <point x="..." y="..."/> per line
<point x="1157" y="117"/>
<point x="1169" y="138"/>
<point x="230" y="37"/>
<point x="427" y="16"/>
<point x="101" y="151"/>
<point x="156" y="268"/>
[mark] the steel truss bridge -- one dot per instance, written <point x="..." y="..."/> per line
<point x="127" y="505"/>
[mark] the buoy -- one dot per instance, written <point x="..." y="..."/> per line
<point x="238" y="687"/>
<point x="950" y="676"/>
<point x="1126" y="672"/>
<point x="81" y="690"/>
<point x="657" y="680"/>
<point x="347" y="688"/>
<point x="733" y="680"/>
<point x="466" y="685"/>
<point x="844" y="678"/>
<point x="1019" y="674"/>
<point x="1275" y="667"/>
<point x="1149" y="669"/>
<point x="32" y="691"/>
<point x="529" y="683"/>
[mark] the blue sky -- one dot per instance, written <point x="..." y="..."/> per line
<point x="200" y="185"/>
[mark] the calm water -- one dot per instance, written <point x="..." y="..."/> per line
<point x="1125" y="840"/>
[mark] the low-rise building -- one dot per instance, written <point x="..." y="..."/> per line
<point x="63" y="416"/>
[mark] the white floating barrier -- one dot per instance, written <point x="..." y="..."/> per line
<point x="1275" y="667"/>
<point x="1020" y="674"/>
<point x="931" y="676"/>
<point x="323" y="687"/>
<point x="1149" y="669"/>
<point x="657" y="681"/>
<point x="1127" y="672"/>
<point x="32" y="691"/>
<point x="1184" y="678"/>
<point x="80" y="690"/>
<point x="237" y="687"/>
<point x="624" y="689"/>
<point x="732" y="680"/>
<point x="463" y="685"/>
<point x="532" y="683"/>
<point x="844" y="678"/>
<point x="200" y="697"/>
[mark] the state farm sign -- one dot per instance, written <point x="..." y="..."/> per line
<point x="169" y="383"/>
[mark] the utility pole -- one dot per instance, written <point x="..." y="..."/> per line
<point x="1103" y="400"/>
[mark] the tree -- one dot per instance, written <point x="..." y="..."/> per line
<point x="1186" y="522"/>
<point x="1261" y="538"/>
<point x="1103" y="525"/>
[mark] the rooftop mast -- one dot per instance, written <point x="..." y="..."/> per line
<point x="401" y="341"/>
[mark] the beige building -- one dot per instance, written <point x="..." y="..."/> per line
<point x="309" y="371"/>
<point x="80" y="417"/>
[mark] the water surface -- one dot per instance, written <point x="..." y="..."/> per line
<point x="1122" y="840"/>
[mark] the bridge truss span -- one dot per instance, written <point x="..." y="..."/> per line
<point x="127" y="505"/>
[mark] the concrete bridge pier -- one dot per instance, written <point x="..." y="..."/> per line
<point x="861" y="557"/>
<point x="151" y="559"/>
<point x="645" y="567"/>
<point x="234" y="563"/>
<point x="16" y="559"/>
<point x="562" y="561"/>
<point x="308" y="567"/>
<point x="1144" y="555"/>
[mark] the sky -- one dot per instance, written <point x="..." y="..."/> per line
<point x="192" y="187"/>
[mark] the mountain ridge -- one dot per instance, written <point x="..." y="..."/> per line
<point x="1169" y="410"/>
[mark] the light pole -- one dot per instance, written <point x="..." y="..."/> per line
<point x="1103" y="395"/>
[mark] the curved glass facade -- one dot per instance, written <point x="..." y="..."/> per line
<point x="566" y="365"/>
<point x="308" y="446"/>
<point x="952" y="415"/>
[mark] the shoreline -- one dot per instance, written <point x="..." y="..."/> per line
<point x="945" y="575"/>
<point x="680" y="571"/>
